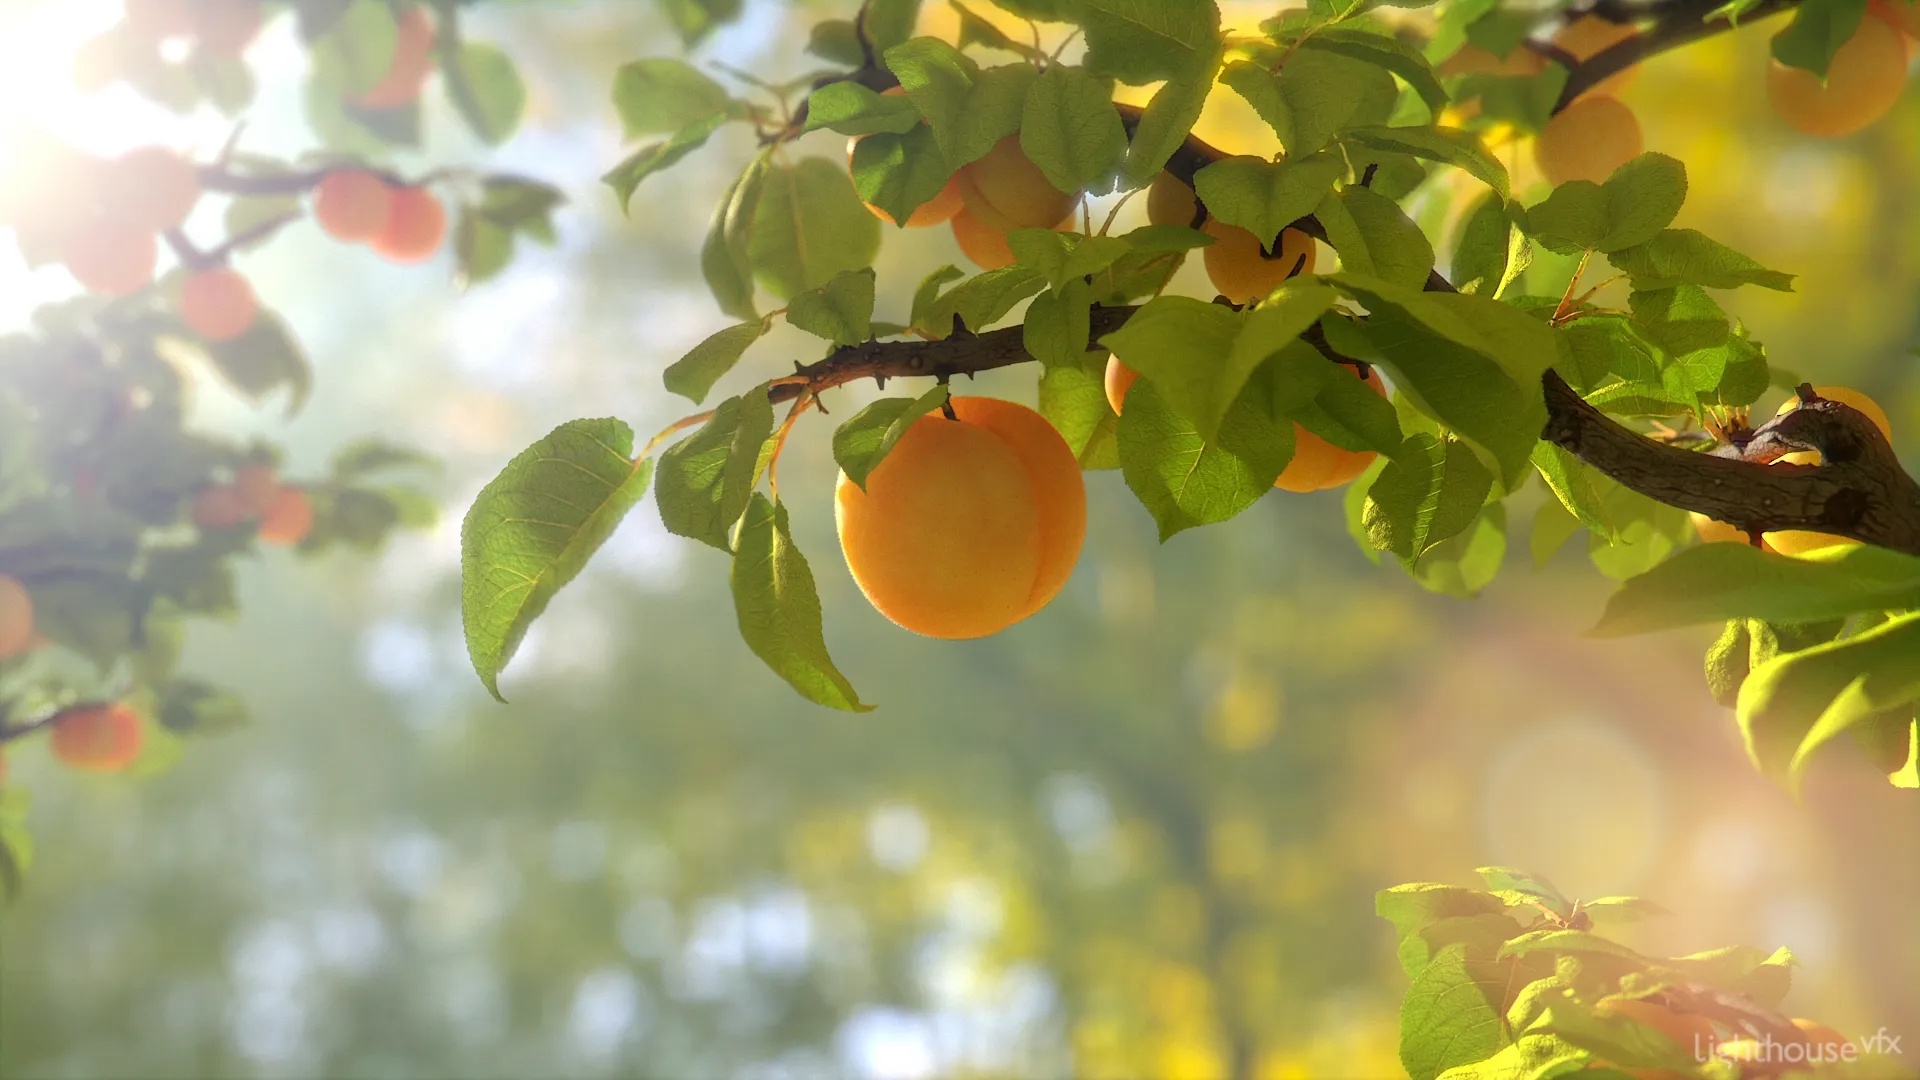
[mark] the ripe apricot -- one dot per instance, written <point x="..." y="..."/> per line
<point x="111" y="258"/>
<point x="16" y="618"/>
<point x="98" y="738"/>
<point x="256" y="485"/>
<point x="1903" y="14"/>
<point x="1318" y="464"/>
<point x="1715" y="531"/>
<point x="1587" y="140"/>
<point x="352" y="205"/>
<point x="1590" y="35"/>
<point x="221" y="507"/>
<point x="1242" y="271"/>
<point x="1801" y="541"/>
<point x="227" y="27"/>
<point x="288" y="518"/>
<point x="415" y="226"/>
<point x="157" y="19"/>
<point x="1007" y="191"/>
<point x="986" y="246"/>
<point x="1474" y="60"/>
<point x="412" y="63"/>
<point x="1691" y="1031"/>
<point x="219" y="305"/>
<point x="1862" y="84"/>
<point x="1170" y="201"/>
<point x="152" y="188"/>
<point x="968" y="525"/>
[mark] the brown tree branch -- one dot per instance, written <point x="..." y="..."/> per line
<point x="1675" y="25"/>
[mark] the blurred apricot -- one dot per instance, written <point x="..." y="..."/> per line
<point x="1007" y="191"/>
<point x="1474" y="60"/>
<point x="219" y="305"/>
<point x="1242" y="271"/>
<point x="415" y="227"/>
<point x="1587" y="141"/>
<point x="221" y="507"/>
<point x="111" y="258"/>
<point x="98" y="738"/>
<point x="16" y="618"/>
<point x="288" y="518"/>
<point x="1170" y="201"/>
<point x="969" y="525"/>
<point x="1591" y="35"/>
<point x="412" y="63"/>
<point x="353" y="205"/>
<point x="986" y="246"/>
<point x="1862" y="84"/>
<point x="256" y="485"/>
<point x="152" y="188"/>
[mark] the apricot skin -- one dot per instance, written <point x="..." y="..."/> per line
<point x="415" y="227"/>
<point x="967" y="526"/>
<point x="1171" y="202"/>
<point x="1801" y="541"/>
<point x="352" y="205"/>
<point x="288" y="518"/>
<point x="219" y="305"/>
<point x="1242" y="271"/>
<point x="16" y="618"/>
<point x="111" y="259"/>
<point x="1007" y="191"/>
<point x="1588" y="140"/>
<point x="103" y="738"/>
<point x="1863" y="84"/>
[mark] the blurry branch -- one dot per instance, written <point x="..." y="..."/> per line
<point x="1859" y="491"/>
<point x="1676" y="23"/>
<point x="220" y="178"/>
<point x="195" y="259"/>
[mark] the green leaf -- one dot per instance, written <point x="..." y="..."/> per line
<point x="1385" y="51"/>
<point x="1374" y="237"/>
<point x="851" y="109"/>
<point x="663" y="96"/>
<point x="192" y="706"/>
<point x="1727" y="662"/>
<point x="840" y="311"/>
<point x="1413" y="908"/>
<point x="779" y="610"/>
<point x="808" y="226"/>
<point x="1482" y="248"/>
<point x="487" y="90"/>
<point x="1062" y="257"/>
<point x="927" y="293"/>
<point x="864" y="440"/>
<point x="1181" y="478"/>
<point x="1714" y="582"/>
<point x="1507" y="879"/>
<point x="1572" y="219"/>
<point x="625" y="177"/>
<point x="1348" y="414"/>
<point x="1263" y="197"/>
<point x="968" y="109"/>
<point x="1327" y="94"/>
<point x="981" y="300"/>
<point x="264" y="359"/>
<point x="356" y="52"/>
<point x="1818" y="29"/>
<point x="1070" y="129"/>
<point x="1164" y="125"/>
<point x="1794" y="704"/>
<point x="1143" y="41"/>
<point x="1573" y="482"/>
<point x="1643" y="198"/>
<point x="1074" y="400"/>
<point x="890" y="22"/>
<point x="1449" y="146"/>
<point x="1465" y="564"/>
<point x="365" y="456"/>
<point x="1684" y="256"/>
<point x="703" y="481"/>
<point x="1450" y="1015"/>
<point x="725" y="255"/>
<point x="533" y="528"/>
<point x="1057" y="326"/>
<point x="836" y="40"/>
<point x="899" y="173"/>
<point x="693" y="375"/>
<point x="1432" y="491"/>
<point x="695" y="19"/>
<point x="481" y="249"/>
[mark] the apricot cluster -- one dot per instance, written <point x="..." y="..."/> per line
<point x="402" y="222"/>
<point x="102" y="218"/>
<point x="989" y="198"/>
<point x="98" y="738"/>
<point x="970" y="524"/>
<point x="282" y="512"/>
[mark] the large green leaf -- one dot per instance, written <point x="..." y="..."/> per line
<point x="1264" y="197"/>
<point x="725" y="255"/>
<point x="1463" y="150"/>
<point x="779" y="609"/>
<point x="661" y="96"/>
<point x="1818" y="29"/>
<point x="1143" y="41"/>
<point x="694" y="374"/>
<point x="900" y="173"/>
<point x="1184" y="480"/>
<point x="1715" y="582"/>
<point x="1070" y="129"/>
<point x="1688" y="257"/>
<point x="865" y="439"/>
<point x="969" y="109"/>
<point x="808" y="226"/>
<point x="1165" y="123"/>
<point x="1795" y="703"/>
<point x="840" y="311"/>
<point x="703" y="481"/>
<point x="1451" y="1014"/>
<point x="1432" y="491"/>
<point x="533" y="528"/>
<point x="1373" y="236"/>
<point x="487" y="90"/>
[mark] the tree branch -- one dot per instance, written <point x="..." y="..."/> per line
<point x="1675" y="25"/>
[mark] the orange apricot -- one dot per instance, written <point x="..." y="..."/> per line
<point x="968" y="525"/>
<point x="415" y="227"/>
<point x="985" y="245"/>
<point x="1318" y="464"/>
<point x="98" y="738"/>
<point x="1474" y="60"/>
<point x="111" y="258"/>
<point x="1120" y="379"/>
<point x="219" y="305"/>
<point x="1862" y="84"/>
<point x="1590" y="35"/>
<point x="1170" y="201"/>
<point x="256" y="485"/>
<point x="288" y="518"/>
<point x="1715" y="531"/>
<point x="1903" y="14"/>
<point x="1007" y="191"/>
<point x="1801" y="541"/>
<point x="16" y="618"/>
<point x="152" y="188"/>
<point x="352" y="205"/>
<point x="1242" y="271"/>
<point x="221" y="507"/>
<point x="1588" y="140"/>
<point x="227" y="27"/>
<point x="412" y="63"/>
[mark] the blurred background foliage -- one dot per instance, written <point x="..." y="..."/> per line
<point x="1137" y="835"/>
